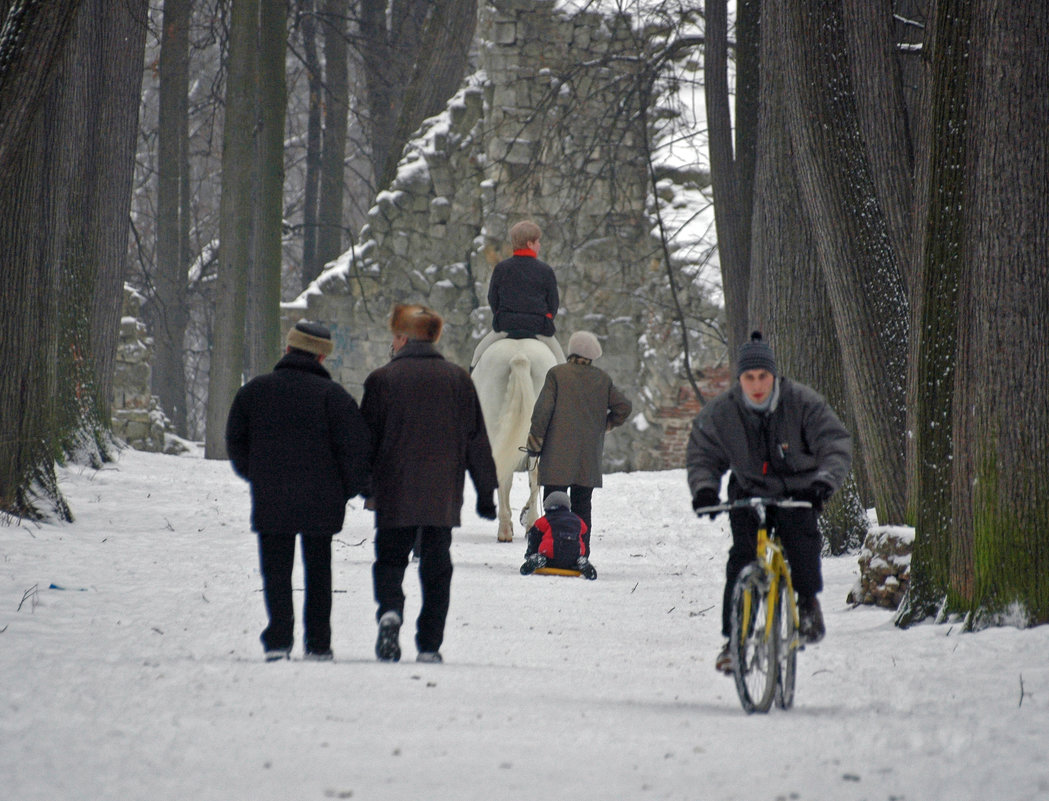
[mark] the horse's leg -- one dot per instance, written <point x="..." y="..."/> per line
<point x="506" y="524"/>
<point x="530" y="513"/>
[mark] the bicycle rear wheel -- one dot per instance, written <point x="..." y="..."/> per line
<point x="753" y="641"/>
<point x="787" y="649"/>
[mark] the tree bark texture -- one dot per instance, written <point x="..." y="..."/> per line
<point x="63" y="229"/>
<point x="333" y="154"/>
<point x="171" y="314"/>
<point x="788" y="297"/>
<point x="1000" y="560"/>
<point x="935" y="314"/>
<point x="264" y="301"/>
<point x="732" y="186"/>
<point x="32" y="35"/>
<point x="311" y="265"/>
<point x="864" y="280"/>
<point x="236" y="218"/>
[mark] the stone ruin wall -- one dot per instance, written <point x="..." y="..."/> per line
<point x="507" y="149"/>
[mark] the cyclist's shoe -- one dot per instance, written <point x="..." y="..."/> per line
<point x="387" y="647"/>
<point x="724" y="660"/>
<point x="810" y="626"/>
<point x="532" y="563"/>
<point x="587" y="570"/>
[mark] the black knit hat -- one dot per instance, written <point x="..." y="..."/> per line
<point x="755" y="355"/>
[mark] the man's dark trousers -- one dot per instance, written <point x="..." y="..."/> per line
<point x="393" y="548"/>
<point x="276" y="558"/>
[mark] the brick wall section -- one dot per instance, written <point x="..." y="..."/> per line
<point x="677" y="419"/>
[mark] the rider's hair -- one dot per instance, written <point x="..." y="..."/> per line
<point x="524" y="232"/>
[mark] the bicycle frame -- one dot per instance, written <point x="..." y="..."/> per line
<point x="763" y="659"/>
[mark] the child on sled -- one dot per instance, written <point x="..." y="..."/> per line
<point x="559" y="539"/>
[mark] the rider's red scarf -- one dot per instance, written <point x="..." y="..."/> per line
<point x="526" y="252"/>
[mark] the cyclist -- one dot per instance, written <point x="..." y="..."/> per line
<point x="776" y="438"/>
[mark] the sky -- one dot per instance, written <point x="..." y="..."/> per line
<point x="132" y="669"/>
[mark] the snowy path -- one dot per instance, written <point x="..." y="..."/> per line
<point x="143" y="677"/>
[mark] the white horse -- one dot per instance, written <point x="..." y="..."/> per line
<point x="509" y="376"/>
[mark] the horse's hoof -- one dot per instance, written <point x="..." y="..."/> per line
<point x="506" y="538"/>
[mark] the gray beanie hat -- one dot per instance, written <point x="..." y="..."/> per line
<point x="755" y="355"/>
<point x="556" y="499"/>
<point x="585" y="344"/>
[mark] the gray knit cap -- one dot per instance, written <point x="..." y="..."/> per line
<point x="556" y="499"/>
<point x="755" y="355"/>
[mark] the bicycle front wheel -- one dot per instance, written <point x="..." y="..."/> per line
<point x="787" y="649"/>
<point x="753" y="640"/>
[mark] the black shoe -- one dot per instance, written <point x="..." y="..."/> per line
<point x="532" y="563"/>
<point x="277" y="654"/>
<point x="587" y="570"/>
<point x="387" y="648"/>
<point x="810" y="625"/>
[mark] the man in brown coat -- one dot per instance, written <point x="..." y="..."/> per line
<point x="428" y="431"/>
<point x="577" y="405"/>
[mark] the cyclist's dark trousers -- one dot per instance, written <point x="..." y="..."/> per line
<point x="582" y="503"/>
<point x="393" y="548"/>
<point x="276" y="558"/>
<point x="801" y="540"/>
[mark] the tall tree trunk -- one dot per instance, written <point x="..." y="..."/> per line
<point x="264" y="301"/>
<point x="336" y="110"/>
<point x="941" y="191"/>
<point x="235" y="225"/>
<point x="863" y="278"/>
<point x="1000" y="557"/>
<point x="31" y="56"/>
<point x="68" y="189"/>
<point x="731" y="169"/>
<point x="171" y="314"/>
<point x="311" y="265"/>
<point x="788" y="298"/>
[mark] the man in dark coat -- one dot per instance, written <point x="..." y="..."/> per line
<point x="299" y="439"/>
<point x="779" y="439"/>
<point x="522" y="294"/>
<point x="577" y="405"/>
<point x="429" y="432"/>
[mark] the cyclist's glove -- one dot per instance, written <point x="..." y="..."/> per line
<point x="816" y="494"/>
<point x="706" y="497"/>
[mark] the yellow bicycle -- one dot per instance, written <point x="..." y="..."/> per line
<point x="763" y="639"/>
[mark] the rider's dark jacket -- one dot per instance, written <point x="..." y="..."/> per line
<point x="523" y="295"/>
<point x="774" y="453"/>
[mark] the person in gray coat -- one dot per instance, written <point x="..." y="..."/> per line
<point x="577" y="405"/>
<point x="776" y="438"/>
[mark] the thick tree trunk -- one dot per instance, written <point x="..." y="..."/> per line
<point x="235" y="225"/>
<point x="171" y="314"/>
<point x="1000" y="557"/>
<point x="941" y="193"/>
<point x="264" y="301"/>
<point x="857" y="259"/>
<point x="788" y="298"/>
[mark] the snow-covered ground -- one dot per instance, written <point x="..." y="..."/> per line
<point x="132" y="670"/>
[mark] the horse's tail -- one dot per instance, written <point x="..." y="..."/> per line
<point x="516" y="417"/>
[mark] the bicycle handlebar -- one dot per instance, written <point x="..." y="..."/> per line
<point x="753" y="503"/>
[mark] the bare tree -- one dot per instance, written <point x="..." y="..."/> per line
<point x="171" y="314"/>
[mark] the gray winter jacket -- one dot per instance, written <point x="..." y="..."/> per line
<point x="771" y="454"/>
